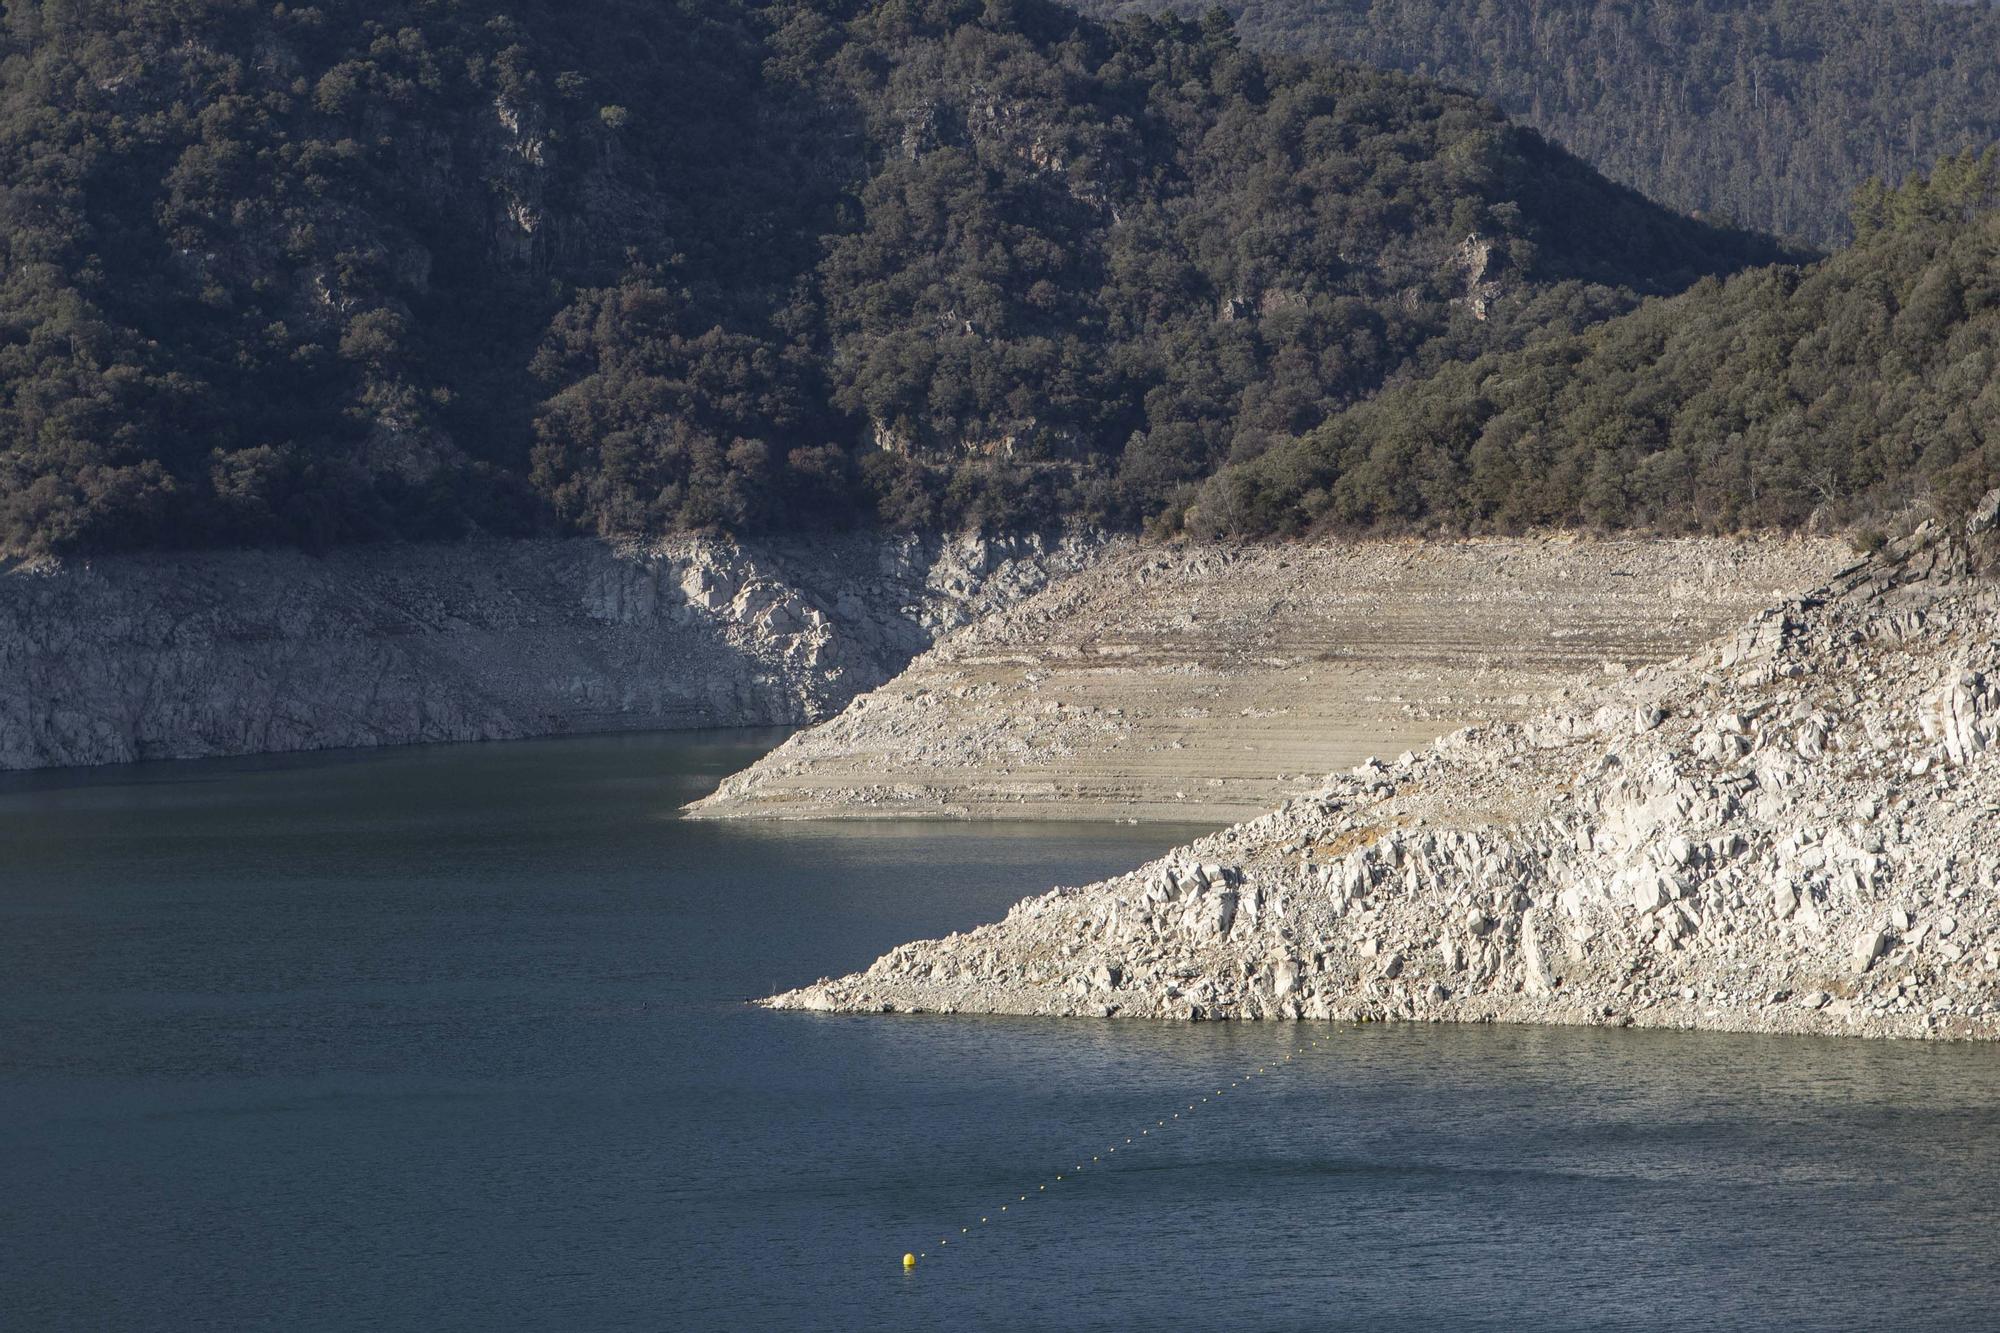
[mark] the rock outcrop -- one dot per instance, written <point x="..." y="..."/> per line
<point x="1796" y="830"/>
<point x="1209" y="683"/>
<point x="125" y="658"/>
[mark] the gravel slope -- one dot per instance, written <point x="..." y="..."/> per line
<point x="1209" y="683"/>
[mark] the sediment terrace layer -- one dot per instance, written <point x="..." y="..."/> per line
<point x="162" y="656"/>
<point x="1796" y="830"/>
<point x="1209" y="683"/>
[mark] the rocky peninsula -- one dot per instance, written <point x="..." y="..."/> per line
<point x="1796" y="829"/>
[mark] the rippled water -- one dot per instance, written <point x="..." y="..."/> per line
<point x="454" y="1038"/>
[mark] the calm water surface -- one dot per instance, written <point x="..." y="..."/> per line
<point x="455" y="1038"/>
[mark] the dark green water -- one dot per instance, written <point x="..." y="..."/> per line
<point x="454" y="1038"/>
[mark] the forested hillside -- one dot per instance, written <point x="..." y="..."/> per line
<point x="1845" y="389"/>
<point x="1769" y="111"/>
<point x="312" y="273"/>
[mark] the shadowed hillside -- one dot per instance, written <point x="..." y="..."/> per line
<point x="321" y="273"/>
<point x="1842" y="390"/>
<point x="1771" y="113"/>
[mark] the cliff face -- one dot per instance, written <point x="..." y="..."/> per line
<point x="1794" y="830"/>
<point x="118" y="659"/>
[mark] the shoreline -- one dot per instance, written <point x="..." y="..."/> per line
<point x="1790" y="830"/>
<point x="1816" y="1026"/>
<point x="128" y="658"/>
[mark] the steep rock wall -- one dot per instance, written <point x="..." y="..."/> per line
<point x="126" y="658"/>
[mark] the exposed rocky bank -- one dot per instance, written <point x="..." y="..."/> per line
<point x="1794" y="830"/>
<point x="125" y="658"/>
<point x="1210" y="683"/>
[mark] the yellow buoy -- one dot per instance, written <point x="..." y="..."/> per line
<point x="909" y="1261"/>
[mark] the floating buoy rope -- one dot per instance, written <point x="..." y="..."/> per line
<point x="1071" y="1173"/>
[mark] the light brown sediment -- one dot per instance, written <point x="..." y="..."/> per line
<point x="1208" y="683"/>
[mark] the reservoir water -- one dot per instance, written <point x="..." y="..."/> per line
<point x="455" y="1038"/>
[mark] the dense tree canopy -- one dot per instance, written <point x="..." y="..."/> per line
<point x="323" y="272"/>
<point x="1768" y="111"/>
<point x="1840" y="390"/>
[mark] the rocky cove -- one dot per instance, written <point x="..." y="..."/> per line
<point x="1791" y="829"/>
<point x="114" y="659"/>
<point x="1795" y="829"/>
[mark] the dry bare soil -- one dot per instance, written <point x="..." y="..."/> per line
<point x="1204" y="683"/>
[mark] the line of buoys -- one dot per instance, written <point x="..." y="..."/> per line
<point x="910" y="1260"/>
